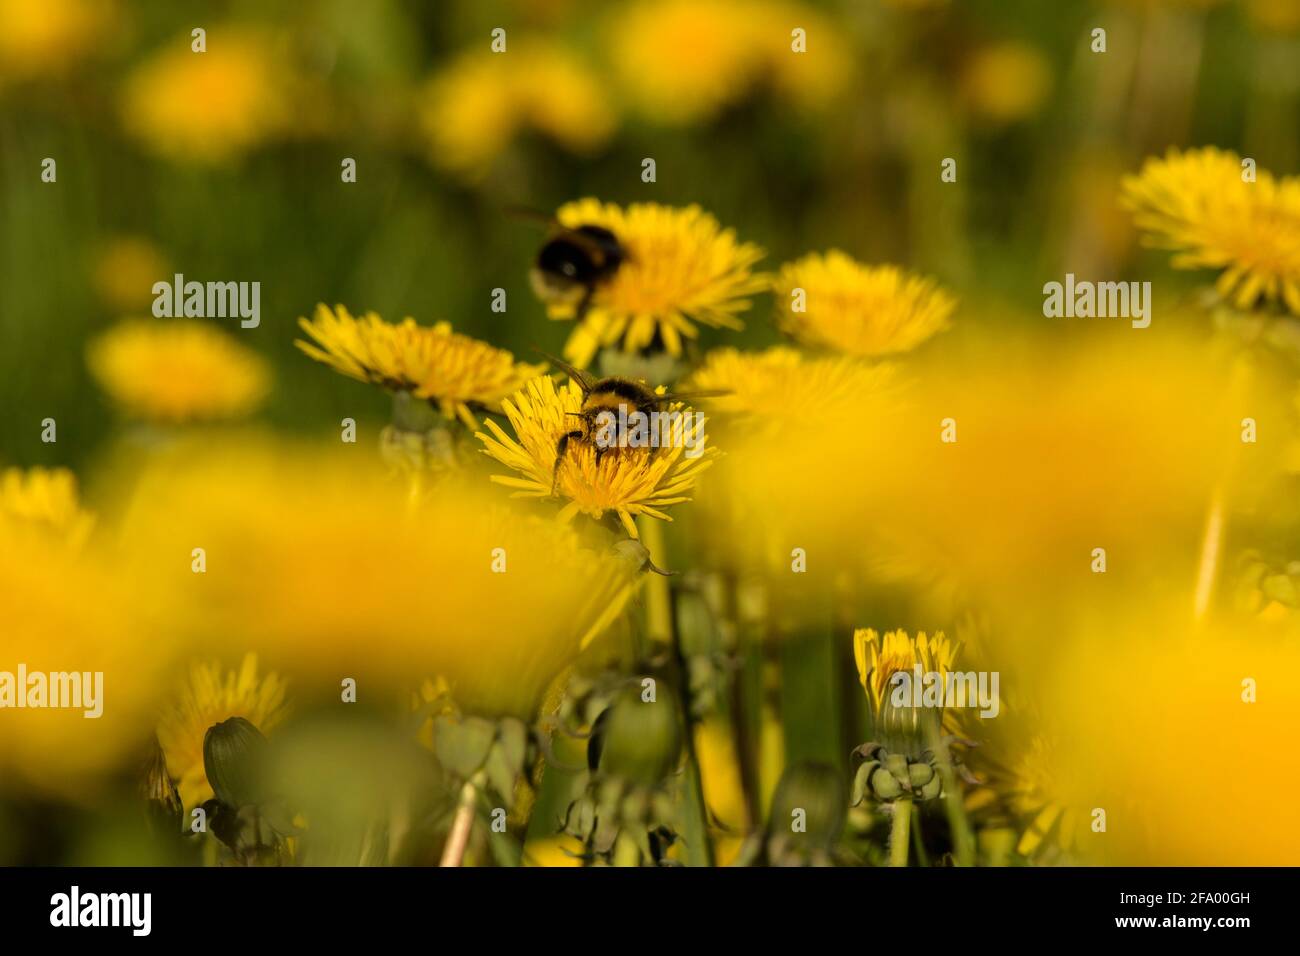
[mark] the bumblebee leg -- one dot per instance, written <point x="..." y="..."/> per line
<point x="560" y="448"/>
<point x="580" y="312"/>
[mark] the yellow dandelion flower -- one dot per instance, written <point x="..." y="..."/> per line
<point x="1008" y="81"/>
<point x="125" y="270"/>
<point x="857" y="309"/>
<point x="454" y="371"/>
<point x="472" y="110"/>
<point x="812" y="78"/>
<point x="563" y="98"/>
<point x="806" y="406"/>
<point x="387" y="590"/>
<point x="42" y="502"/>
<point x="209" y="695"/>
<point x="69" y="611"/>
<point x="682" y="61"/>
<point x="781" y="385"/>
<point x="1197" y="204"/>
<point x="178" y="370"/>
<point x="1049" y="825"/>
<point x="207" y="107"/>
<point x="627" y="481"/>
<point x="681" y="268"/>
<point x="880" y="659"/>
<point x="48" y="37"/>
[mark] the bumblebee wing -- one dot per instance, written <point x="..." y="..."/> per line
<point x="585" y="380"/>
<point x="558" y="229"/>
<point x="532" y="215"/>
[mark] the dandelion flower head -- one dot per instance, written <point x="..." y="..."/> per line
<point x="456" y="372"/>
<point x="626" y="481"/>
<point x="208" y="108"/>
<point x="178" y="370"/>
<point x="857" y="309"/>
<point x="681" y="269"/>
<point x="1199" y="205"/>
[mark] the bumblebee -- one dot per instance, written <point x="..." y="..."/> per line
<point x="572" y="263"/>
<point x="602" y="399"/>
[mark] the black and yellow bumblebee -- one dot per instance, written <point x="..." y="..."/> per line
<point x="573" y="262"/>
<point x="604" y="397"/>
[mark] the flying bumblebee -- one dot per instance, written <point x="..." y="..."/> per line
<point x="604" y="397"/>
<point x="572" y="263"/>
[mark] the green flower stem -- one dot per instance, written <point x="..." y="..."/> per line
<point x="458" y="839"/>
<point x="740" y="696"/>
<point x="899" y="831"/>
<point x="918" y="842"/>
<point x="658" y="597"/>
<point x="963" y="839"/>
<point x="659" y="625"/>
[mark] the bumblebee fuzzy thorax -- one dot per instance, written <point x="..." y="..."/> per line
<point x="572" y="262"/>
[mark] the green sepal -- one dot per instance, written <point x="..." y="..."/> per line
<point x="462" y="745"/>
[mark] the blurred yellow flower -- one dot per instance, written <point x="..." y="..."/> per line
<point x="47" y="37"/>
<point x="1021" y="783"/>
<point x="782" y="399"/>
<point x="813" y="78"/>
<point x="781" y="385"/>
<point x="68" y="611"/>
<point x="562" y="850"/>
<point x="319" y="561"/>
<point x="209" y="107"/>
<point x="41" y="502"/>
<point x="1049" y="825"/>
<point x="1197" y="773"/>
<point x="724" y="791"/>
<point x="681" y="268"/>
<point x="1280" y="16"/>
<point x="627" y="481"/>
<point x="178" y="370"/>
<point x="1001" y="465"/>
<point x="455" y="372"/>
<point x="210" y="694"/>
<point x="473" y="109"/>
<point x="125" y="270"/>
<point x="1005" y="82"/>
<point x="683" y="61"/>
<point x="830" y="301"/>
<point x="1198" y="205"/>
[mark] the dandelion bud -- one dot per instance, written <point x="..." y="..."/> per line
<point x="906" y="729"/>
<point x="232" y="752"/>
<point x="639" y="741"/>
